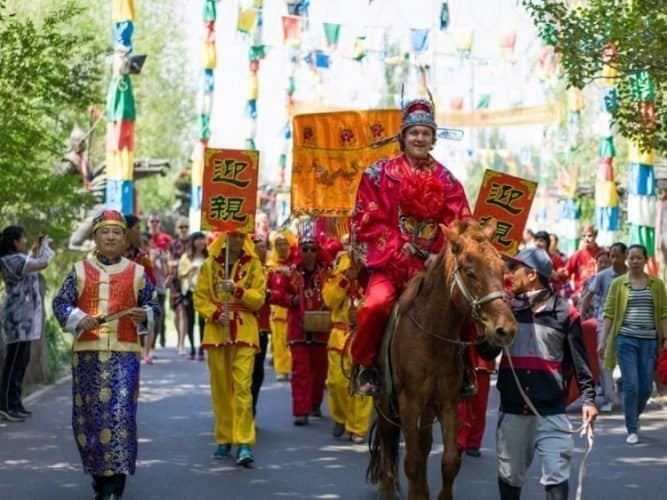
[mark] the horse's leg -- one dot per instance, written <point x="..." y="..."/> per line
<point x="451" y="461"/>
<point x="389" y="434"/>
<point x="415" y="463"/>
<point x="425" y="444"/>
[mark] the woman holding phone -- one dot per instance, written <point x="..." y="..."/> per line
<point x="21" y="312"/>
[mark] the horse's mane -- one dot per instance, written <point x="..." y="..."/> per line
<point x="424" y="282"/>
<point x="421" y="282"/>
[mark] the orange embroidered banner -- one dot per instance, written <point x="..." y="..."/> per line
<point x="229" y="192"/>
<point x="508" y="199"/>
<point x="331" y="152"/>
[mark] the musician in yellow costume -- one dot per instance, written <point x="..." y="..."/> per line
<point x="228" y="294"/>
<point x="281" y="258"/>
<point x="342" y="294"/>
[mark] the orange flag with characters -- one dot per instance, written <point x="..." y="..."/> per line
<point x="229" y="192"/>
<point x="507" y="199"/>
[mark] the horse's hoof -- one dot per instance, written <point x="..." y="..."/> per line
<point x="387" y="495"/>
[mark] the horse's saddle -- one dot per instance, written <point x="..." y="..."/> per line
<point x="385" y="354"/>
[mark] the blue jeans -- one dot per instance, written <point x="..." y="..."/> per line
<point x="636" y="358"/>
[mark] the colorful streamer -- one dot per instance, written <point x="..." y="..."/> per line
<point x="606" y="196"/>
<point x="121" y="113"/>
<point x="204" y="109"/>
<point x="256" y="52"/>
<point x="570" y="217"/>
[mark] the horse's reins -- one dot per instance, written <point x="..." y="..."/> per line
<point x="475" y="309"/>
<point x="585" y="429"/>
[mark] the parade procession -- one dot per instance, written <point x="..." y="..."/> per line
<point x="362" y="249"/>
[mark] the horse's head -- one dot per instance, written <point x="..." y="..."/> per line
<point x="475" y="277"/>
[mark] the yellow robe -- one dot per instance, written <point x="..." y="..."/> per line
<point x="351" y="410"/>
<point x="231" y="349"/>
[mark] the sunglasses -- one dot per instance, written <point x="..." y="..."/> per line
<point x="154" y="221"/>
<point x="309" y="249"/>
<point x="183" y="227"/>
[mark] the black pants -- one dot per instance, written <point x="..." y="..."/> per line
<point x="16" y="362"/>
<point x="160" y="320"/>
<point x="109" y="485"/>
<point x="190" y="314"/>
<point x="258" y="370"/>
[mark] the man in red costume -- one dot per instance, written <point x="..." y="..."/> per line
<point x="299" y="289"/>
<point x="400" y="203"/>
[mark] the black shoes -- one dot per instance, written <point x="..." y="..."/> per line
<point x="316" y="412"/>
<point x="338" y="430"/>
<point x="12" y="416"/>
<point x="23" y="412"/>
<point x="469" y="384"/>
<point x="301" y="421"/>
<point x="368" y="382"/>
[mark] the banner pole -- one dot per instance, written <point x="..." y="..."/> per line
<point x="227" y="271"/>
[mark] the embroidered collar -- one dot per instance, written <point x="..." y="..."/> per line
<point x="400" y="166"/>
<point x="106" y="261"/>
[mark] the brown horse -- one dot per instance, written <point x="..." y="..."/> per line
<point x="466" y="280"/>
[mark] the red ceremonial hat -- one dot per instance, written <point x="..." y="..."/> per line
<point x="109" y="218"/>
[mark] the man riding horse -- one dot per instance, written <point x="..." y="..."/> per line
<point x="400" y="203"/>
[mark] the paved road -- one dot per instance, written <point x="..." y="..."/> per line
<point x="38" y="458"/>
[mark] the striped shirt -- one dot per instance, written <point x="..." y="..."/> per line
<point x="639" y="321"/>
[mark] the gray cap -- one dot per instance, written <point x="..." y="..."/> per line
<point x="535" y="258"/>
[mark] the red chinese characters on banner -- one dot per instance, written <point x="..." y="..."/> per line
<point x="508" y="199"/>
<point x="229" y="192"/>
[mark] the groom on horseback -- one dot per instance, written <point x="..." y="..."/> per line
<point x="400" y="203"/>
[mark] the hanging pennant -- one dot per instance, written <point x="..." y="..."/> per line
<point x="507" y="41"/>
<point x="463" y="41"/>
<point x="298" y="7"/>
<point x="359" y="51"/>
<point x="120" y="100"/>
<point x="419" y="39"/>
<point x="332" y="33"/>
<point x="247" y="20"/>
<point x="444" y="16"/>
<point x="321" y="60"/>
<point x="122" y="10"/>
<point x="256" y="52"/>
<point x="122" y="35"/>
<point x="456" y="104"/>
<point x="208" y="56"/>
<point x="484" y="101"/>
<point x="209" y="13"/>
<point x="291" y="30"/>
<point x="641" y="87"/>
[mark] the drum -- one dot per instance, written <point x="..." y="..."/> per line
<point x="317" y="321"/>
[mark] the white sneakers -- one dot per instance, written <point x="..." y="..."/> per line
<point x="632" y="438"/>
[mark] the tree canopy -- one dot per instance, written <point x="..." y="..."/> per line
<point x="48" y="71"/>
<point x="626" y="38"/>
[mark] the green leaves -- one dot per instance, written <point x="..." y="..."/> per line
<point x="49" y="71"/>
<point x="631" y="37"/>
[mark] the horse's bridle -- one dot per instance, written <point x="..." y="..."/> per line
<point x="475" y="304"/>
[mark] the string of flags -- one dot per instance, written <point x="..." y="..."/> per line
<point x="606" y="195"/>
<point x="204" y="109"/>
<point x="121" y="110"/>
